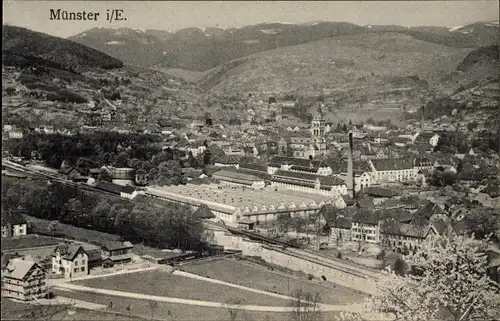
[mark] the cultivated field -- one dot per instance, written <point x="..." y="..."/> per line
<point x="164" y="284"/>
<point x="258" y="277"/>
<point x="20" y="311"/>
<point x="180" y="312"/>
<point x="85" y="235"/>
<point x="28" y="241"/>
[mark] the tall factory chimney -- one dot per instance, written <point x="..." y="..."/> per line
<point x="350" y="173"/>
<point x="422" y="122"/>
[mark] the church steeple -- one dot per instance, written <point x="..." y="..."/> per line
<point x="318" y="125"/>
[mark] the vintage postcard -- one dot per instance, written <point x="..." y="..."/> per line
<point x="250" y="160"/>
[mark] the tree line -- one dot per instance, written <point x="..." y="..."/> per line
<point x="171" y="226"/>
<point x="139" y="151"/>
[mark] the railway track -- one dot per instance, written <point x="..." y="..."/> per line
<point x="294" y="249"/>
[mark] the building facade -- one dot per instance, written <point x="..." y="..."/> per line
<point x="23" y="280"/>
<point x="70" y="260"/>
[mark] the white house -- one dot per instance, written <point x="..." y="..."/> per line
<point x="129" y="192"/>
<point x="13" y="225"/>
<point x="392" y="170"/>
<point x="70" y="260"/>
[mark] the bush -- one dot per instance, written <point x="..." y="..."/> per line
<point x="323" y="277"/>
<point x="310" y="277"/>
<point x="381" y="255"/>
<point x="340" y="256"/>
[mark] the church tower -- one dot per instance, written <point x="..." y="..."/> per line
<point x="318" y="126"/>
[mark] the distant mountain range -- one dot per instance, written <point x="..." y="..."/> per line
<point x="200" y="50"/>
<point x="350" y="66"/>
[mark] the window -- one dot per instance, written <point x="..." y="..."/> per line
<point x="83" y="262"/>
<point x="76" y="263"/>
<point x="75" y="270"/>
<point x="83" y="269"/>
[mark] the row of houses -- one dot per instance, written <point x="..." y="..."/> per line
<point x="398" y="228"/>
<point x="24" y="279"/>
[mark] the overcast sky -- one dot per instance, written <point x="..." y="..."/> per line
<point x="175" y="15"/>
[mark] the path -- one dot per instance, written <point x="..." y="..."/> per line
<point x="202" y="278"/>
<point x="211" y="304"/>
<point x="73" y="302"/>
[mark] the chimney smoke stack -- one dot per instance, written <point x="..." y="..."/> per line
<point x="350" y="173"/>
<point x="422" y="123"/>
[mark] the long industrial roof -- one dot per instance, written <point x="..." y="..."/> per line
<point x="228" y="199"/>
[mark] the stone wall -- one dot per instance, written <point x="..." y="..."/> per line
<point x="293" y="260"/>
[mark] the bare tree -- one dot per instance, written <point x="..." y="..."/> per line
<point x="152" y="306"/>
<point x="305" y="306"/>
<point x="231" y="310"/>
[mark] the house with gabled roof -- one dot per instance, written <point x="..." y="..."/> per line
<point x="69" y="173"/>
<point x="430" y="211"/>
<point x="363" y="177"/>
<point x="70" y="260"/>
<point x="310" y="166"/>
<point x="404" y="237"/>
<point x="365" y="226"/>
<point x="309" y="183"/>
<point x="393" y="170"/>
<point x="490" y="195"/>
<point x="238" y="178"/>
<point x="23" y="279"/>
<point x="116" y="253"/>
<point x="338" y="225"/>
<point x="204" y="212"/>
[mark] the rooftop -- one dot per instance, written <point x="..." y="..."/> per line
<point x="310" y="178"/>
<point x="232" y="175"/>
<point x="282" y="160"/>
<point x="18" y="268"/>
<point x="391" y="164"/>
<point x="117" y="245"/>
<point x="227" y="199"/>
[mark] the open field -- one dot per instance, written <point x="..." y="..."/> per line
<point x="21" y="311"/>
<point x="79" y="234"/>
<point x="258" y="277"/>
<point x="165" y="284"/>
<point x="180" y="312"/>
<point x="28" y="241"/>
<point x="85" y="235"/>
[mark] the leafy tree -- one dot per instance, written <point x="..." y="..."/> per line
<point x="105" y="176"/>
<point x="482" y="222"/>
<point x="283" y="222"/>
<point x="72" y="212"/>
<point x="122" y="160"/>
<point x="450" y="282"/>
<point x="99" y="216"/>
<point x="472" y="125"/>
<point x="399" y="267"/>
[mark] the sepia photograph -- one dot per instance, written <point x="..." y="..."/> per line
<point x="250" y="161"/>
